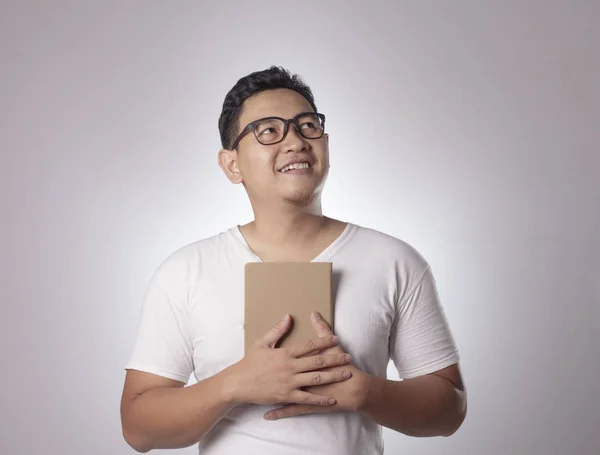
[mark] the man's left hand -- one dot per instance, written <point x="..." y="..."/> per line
<point x="348" y="394"/>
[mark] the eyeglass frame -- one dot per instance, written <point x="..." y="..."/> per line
<point x="250" y="127"/>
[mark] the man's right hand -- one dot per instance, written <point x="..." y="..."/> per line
<point x="275" y="376"/>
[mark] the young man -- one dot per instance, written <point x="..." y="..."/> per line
<point x="327" y="395"/>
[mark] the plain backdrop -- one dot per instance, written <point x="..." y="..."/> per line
<point x="469" y="129"/>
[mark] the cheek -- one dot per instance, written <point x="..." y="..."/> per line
<point x="257" y="164"/>
<point x="323" y="157"/>
<point x="321" y="150"/>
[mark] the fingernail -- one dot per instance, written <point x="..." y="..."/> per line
<point x="346" y="374"/>
<point x="269" y="417"/>
<point x="331" y="401"/>
<point x="348" y="358"/>
<point x="335" y="339"/>
<point x="316" y="316"/>
<point x="285" y="317"/>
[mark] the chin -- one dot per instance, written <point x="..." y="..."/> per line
<point x="303" y="193"/>
<point x="300" y="198"/>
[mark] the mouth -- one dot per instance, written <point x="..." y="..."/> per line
<point x="302" y="165"/>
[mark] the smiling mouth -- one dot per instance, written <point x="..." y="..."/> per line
<point x="296" y="166"/>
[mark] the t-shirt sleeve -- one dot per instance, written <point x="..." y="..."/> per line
<point x="163" y="344"/>
<point x="421" y="341"/>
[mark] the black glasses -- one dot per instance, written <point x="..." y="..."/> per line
<point x="271" y="130"/>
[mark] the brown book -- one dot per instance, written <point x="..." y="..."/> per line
<point x="272" y="289"/>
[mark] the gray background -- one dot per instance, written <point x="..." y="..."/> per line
<point x="467" y="128"/>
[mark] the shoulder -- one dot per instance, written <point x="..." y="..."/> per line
<point x="185" y="264"/>
<point x="383" y="258"/>
<point x="386" y="247"/>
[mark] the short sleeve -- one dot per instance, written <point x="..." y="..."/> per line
<point x="163" y="344"/>
<point x="421" y="341"/>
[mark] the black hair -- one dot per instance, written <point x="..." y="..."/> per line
<point x="272" y="78"/>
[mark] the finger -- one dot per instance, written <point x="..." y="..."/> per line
<point x="274" y="335"/>
<point x="322" y="329"/>
<point x="321" y="378"/>
<point x="294" y="410"/>
<point x="317" y="362"/>
<point x="303" y="348"/>
<point x="302" y="397"/>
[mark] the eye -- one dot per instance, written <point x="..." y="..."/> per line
<point x="307" y="125"/>
<point x="269" y="127"/>
<point x="268" y="130"/>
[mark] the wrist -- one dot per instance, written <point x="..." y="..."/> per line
<point x="371" y="387"/>
<point x="230" y="386"/>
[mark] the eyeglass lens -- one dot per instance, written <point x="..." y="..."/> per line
<point x="270" y="131"/>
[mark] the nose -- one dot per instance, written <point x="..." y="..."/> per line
<point x="293" y="142"/>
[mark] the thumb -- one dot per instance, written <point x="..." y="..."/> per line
<point x="272" y="336"/>
<point x="320" y="325"/>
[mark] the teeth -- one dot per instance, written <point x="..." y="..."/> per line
<point x="303" y="165"/>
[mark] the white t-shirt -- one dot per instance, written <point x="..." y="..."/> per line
<point x="386" y="307"/>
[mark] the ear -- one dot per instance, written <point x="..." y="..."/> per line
<point x="229" y="164"/>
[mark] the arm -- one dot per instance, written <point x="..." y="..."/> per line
<point x="160" y="413"/>
<point x="426" y="405"/>
<point x="156" y="409"/>
<point x="430" y="405"/>
<point x="427" y="402"/>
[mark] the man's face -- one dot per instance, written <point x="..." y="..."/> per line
<point x="261" y="166"/>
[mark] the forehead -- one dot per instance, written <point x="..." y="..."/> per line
<point x="280" y="103"/>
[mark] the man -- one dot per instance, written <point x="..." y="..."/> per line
<point x="311" y="398"/>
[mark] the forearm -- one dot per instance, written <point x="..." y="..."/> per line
<point x="171" y="418"/>
<point x="424" y="406"/>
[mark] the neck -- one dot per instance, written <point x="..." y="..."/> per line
<point x="287" y="224"/>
